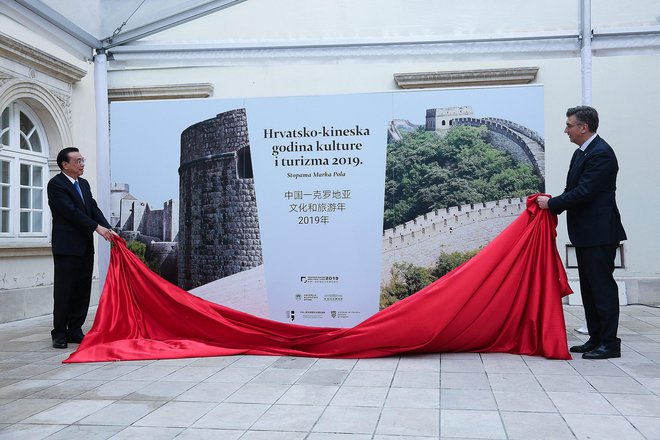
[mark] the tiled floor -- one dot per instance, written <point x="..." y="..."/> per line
<point x="439" y="396"/>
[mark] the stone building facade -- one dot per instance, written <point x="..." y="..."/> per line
<point x="38" y="95"/>
<point x="219" y="226"/>
<point x="156" y="228"/>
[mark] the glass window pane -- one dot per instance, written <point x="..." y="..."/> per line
<point x="24" y="143"/>
<point x="37" y="198"/>
<point x="4" y="120"/>
<point x="26" y="124"/>
<point x="36" y="221"/>
<point x="4" y="172"/>
<point x="36" y="176"/>
<point x="25" y="222"/>
<point x="4" y="139"/>
<point x="25" y="175"/>
<point x="25" y="198"/>
<point x="4" y="197"/>
<point x="35" y="142"/>
<point x="4" y="221"/>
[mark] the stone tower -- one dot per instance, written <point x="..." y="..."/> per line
<point x="218" y="223"/>
<point x="440" y="119"/>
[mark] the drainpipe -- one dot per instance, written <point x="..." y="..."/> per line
<point x="102" y="155"/>
<point x="585" y="51"/>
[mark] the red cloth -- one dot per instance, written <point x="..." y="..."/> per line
<point x="505" y="299"/>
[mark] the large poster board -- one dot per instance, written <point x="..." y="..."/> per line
<point x="298" y="208"/>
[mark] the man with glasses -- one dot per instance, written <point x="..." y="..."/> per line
<point x="594" y="228"/>
<point x="75" y="218"/>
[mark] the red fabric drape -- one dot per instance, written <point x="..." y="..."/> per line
<point x="505" y="299"/>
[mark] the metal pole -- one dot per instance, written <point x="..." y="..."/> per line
<point x="102" y="155"/>
<point x="585" y="51"/>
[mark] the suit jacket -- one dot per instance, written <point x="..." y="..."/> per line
<point x="74" y="222"/>
<point x="592" y="216"/>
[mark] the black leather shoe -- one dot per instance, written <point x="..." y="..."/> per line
<point x="602" y="352"/>
<point x="59" y="342"/>
<point x="75" y="338"/>
<point x="587" y="346"/>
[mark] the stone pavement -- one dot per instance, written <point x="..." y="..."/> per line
<point x="437" y="396"/>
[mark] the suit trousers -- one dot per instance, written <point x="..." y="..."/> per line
<point x="600" y="294"/>
<point x="71" y="292"/>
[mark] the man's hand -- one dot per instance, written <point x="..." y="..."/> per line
<point x="105" y="232"/>
<point x="542" y="201"/>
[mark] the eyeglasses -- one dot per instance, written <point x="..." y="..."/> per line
<point x="80" y="161"/>
<point x="574" y="125"/>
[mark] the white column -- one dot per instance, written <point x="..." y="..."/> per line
<point x="585" y="51"/>
<point x="102" y="155"/>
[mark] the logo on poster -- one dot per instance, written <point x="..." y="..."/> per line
<point x="341" y="314"/>
<point x="290" y="315"/>
<point x="319" y="279"/>
<point x="306" y="297"/>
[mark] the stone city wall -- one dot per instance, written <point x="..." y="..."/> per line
<point x="516" y="143"/>
<point x="520" y="129"/>
<point x="456" y="229"/>
<point x="152" y="223"/>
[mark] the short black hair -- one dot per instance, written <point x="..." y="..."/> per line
<point x="585" y="115"/>
<point x="63" y="155"/>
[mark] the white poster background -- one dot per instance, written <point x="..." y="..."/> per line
<point x="319" y="174"/>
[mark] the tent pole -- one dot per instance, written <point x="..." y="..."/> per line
<point x="585" y="51"/>
<point x="102" y="155"/>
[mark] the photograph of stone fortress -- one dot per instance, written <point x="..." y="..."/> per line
<point x="219" y="227"/>
<point x="419" y="236"/>
<point x="212" y="231"/>
<point x="157" y="229"/>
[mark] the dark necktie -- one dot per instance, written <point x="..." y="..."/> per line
<point x="576" y="157"/>
<point x="75" y="184"/>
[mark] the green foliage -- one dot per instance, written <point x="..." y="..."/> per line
<point x="448" y="261"/>
<point x="140" y="250"/>
<point x="427" y="172"/>
<point x="407" y="278"/>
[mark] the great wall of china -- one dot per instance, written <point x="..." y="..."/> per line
<point x="455" y="229"/>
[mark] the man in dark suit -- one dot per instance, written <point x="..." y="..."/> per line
<point x="75" y="218"/>
<point x="594" y="228"/>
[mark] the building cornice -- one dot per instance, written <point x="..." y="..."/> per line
<point x="39" y="60"/>
<point x="173" y="91"/>
<point x="480" y="77"/>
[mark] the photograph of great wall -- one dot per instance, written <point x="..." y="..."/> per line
<point x="453" y="183"/>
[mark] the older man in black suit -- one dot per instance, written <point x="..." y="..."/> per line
<point x="594" y="228"/>
<point x="75" y="218"/>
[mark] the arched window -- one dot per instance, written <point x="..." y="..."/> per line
<point x="23" y="173"/>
